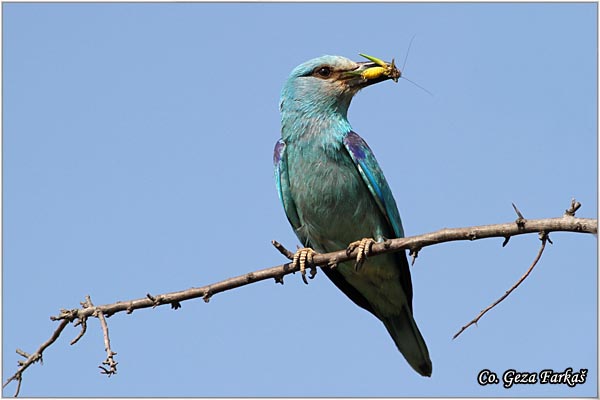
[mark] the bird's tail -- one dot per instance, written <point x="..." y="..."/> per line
<point x="409" y="341"/>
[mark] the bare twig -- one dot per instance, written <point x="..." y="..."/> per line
<point x="18" y="386"/>
<point x="110" y="361"/>
<point x="83" y="323"/>
<point x="286" y="253"/>
<point x="574" y="207"/>
<point x="567" y="223"/>
<point x="36" y="356"/>
<point x="543" y="238"/>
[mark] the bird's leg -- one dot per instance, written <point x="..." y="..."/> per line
<point x="364" y="248"/>
<point x="301" y="258"/>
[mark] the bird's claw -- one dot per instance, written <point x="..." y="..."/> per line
<point x="301" y="258"/>
<point x="364" y="249"/>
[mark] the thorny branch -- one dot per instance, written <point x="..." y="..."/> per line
<point x="520" y="221"/>
<point x="567" y="223"/>
<point x="110" y="361"/>
<point x="34" y="357"/>
<point x="544" y="238"/>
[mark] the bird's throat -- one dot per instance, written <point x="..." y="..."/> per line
<point x="297" y="125"/>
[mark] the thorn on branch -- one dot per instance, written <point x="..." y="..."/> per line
<point x="286" y="253"/>
<point x="278" y="279"/>
<point x="543" y="235"/>
<point x="175" y="305"/>
<point x="520" y="221"/>
<point x="505" y="242"/>
<point x="207" y="296"/>
<point x="104" y="370"/>
<point x="112" y="365"/>
<point x="156" y="300"/>
<point x="517" y="211"/>
<point x="575" y="205"/>
<point x="413" y="253"/>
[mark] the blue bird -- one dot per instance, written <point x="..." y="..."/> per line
<point x="335" y="194"/>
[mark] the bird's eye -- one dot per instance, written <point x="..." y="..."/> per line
<point x="323" y="72"/>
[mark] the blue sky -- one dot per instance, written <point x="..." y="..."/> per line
<point x="137" y="157"/>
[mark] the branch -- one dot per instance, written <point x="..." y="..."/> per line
<point x="35" y="357"/>
<point x="110" y="361"/>
<point x="544" y="238"/>
<point x="566" y="223"/>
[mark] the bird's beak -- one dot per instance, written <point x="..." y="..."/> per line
<point x="371" y="72"/>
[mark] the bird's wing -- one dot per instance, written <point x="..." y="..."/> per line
<point x="373" y="177"/>
<point x="283" y="186"/>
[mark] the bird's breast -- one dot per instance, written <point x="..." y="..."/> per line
<point x="334" y="204"/>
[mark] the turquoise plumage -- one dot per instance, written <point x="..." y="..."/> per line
<point x="334" y="192"/>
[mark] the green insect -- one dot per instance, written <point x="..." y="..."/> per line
<point x="384" y="69"/>
<point x="373" y="72"/>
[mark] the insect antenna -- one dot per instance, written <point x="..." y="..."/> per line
<point x="408" y="51"/>
<point x="417" y="85"/>
<point x="404" y="64"/>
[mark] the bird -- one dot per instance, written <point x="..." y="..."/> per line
<point x="335" y="195"/>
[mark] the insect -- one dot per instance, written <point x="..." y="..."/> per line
<point x="383" y="69"/>
<point x="388" y="70"/>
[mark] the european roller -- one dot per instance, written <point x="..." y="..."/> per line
<point x="335" y="194"/>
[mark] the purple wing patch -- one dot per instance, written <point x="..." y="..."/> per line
<point x="356" y="145"/>
<point x="279" y="146"/>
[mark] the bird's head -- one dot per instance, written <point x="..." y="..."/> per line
<point x="332" y="81"/>
<point x="322" y="88"/>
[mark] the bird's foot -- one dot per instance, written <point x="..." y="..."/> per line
<point x="301" y="258"/>
<point x="364" y="249"/>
